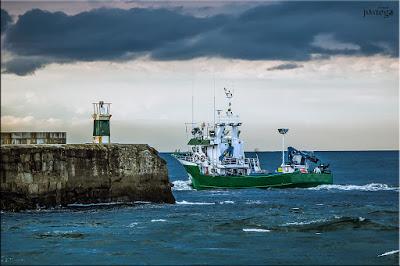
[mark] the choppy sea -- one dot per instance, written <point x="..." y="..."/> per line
<point x="353" y="221"/>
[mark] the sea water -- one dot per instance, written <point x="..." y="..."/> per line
<point x="353" y="221"/>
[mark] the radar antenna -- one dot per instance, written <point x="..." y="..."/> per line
<point x="229" y="96"/>
<point x="283" y="131"/>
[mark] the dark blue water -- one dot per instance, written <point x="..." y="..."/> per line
<point x="354" y="221"/>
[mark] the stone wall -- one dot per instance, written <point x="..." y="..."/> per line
<point x="53" y="175"/>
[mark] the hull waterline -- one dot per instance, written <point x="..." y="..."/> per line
<point x="277" y="180"/>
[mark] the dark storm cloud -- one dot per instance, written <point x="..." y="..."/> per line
<point x="102" y="33"/>
<point x="5" y="20"/>
<point x="292" y="31"/>
<point x="285" y="66"/>
<point x="295" y="31"/>
<point x="24" y="65"/>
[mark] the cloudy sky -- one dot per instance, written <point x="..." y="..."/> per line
<point x="326" y="70"/>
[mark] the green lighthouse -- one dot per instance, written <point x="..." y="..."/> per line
<point x="101" y="122"/>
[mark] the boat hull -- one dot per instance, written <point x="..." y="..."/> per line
<point x="277" y="180"/>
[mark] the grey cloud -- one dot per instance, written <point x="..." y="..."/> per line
<point x="285" y="66"/>
<point x="24" y="65"/>
<point x="290" y="31"/>
<point x="101" y="34"/>
<point x="5" y="20"/>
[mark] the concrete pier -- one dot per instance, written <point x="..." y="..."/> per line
<point x="52" y="175"/>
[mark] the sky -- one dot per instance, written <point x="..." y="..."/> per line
<point x="328" y="71"/>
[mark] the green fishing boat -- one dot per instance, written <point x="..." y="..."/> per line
<point x="216" y="159"/>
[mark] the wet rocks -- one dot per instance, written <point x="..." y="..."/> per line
<point x="52" y="175"/>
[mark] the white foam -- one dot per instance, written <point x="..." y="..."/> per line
<point x="256" y="230"/>
<point x="96" y="204"/>
<point x="59" y="232"/>
<point x="226" y="202"/>
<point x="389" y="253"/>
<point x="367" y="187"/>
<point x="184" y="202"/>
<point x="182" y="185"/>
<point x="361" y="219"/>
<point x="306" y="222"/>
<point x="253" y="202"/>
<point x="132" y="224"/>
<point x="158" y="220"/>
<point x="142" y="202"/>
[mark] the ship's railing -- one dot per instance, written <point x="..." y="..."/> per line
<point x="225" y="161"/>
<point x="228" y="119"/>
<point x="229" y="161"/>
<point x="252" y="161"/>
<point x="184" y="157"/>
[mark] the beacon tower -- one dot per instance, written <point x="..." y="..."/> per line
<point x="101" y="122"/>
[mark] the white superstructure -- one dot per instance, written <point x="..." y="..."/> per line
<point x="218" y="149"/>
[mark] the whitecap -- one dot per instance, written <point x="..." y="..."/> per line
<point x="220" y="192"/>
<point x="142" y="202"/>
<point x="389" y="253"/>
<point x="182" y="185"/>
<point x="367" y="187"/>
<point x="306" y="222"/>
<point x="96" y="204"/>
<point x="158" y="220"/>
<point x="226" y="202"/>
<point x="256" y="230"/>
<point x="184" y="202"/>
<point x="253" y="202"/>
<point x="132" y="224"/>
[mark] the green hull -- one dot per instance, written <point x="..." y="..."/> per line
<point x="278" y="180"/>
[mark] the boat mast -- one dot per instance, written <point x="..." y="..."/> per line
<point x="192" y="104"/>
<point x="214" y="99"/>
<point x="283" y="131"/>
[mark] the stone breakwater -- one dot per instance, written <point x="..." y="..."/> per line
<point x="52" y="175"/>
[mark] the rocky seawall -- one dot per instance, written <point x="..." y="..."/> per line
<point x="52" y="175"/>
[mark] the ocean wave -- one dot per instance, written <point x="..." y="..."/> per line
<point x="184" y="202"/>
<point x="158" y="220"/>
<point x="62" y="234"/>
<point x="142" y="202"/>
<point x="182" y="185"/>
<point x="132" y="224"/>
<point x="97" y="204"/>
<point x="253" y="202"/>
<point x="305" y="222"/>
<point x="367" y="187"/>
<point x="389" y="253"/>
<point x="256" y="230"/>
<point x="333" y="224"/>
<point x="226" y="202"/>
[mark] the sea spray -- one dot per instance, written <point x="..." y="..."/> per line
<point x="184" y="202"/>
<point x="256" y="230"/>
<point x="181" y="185"/>
<point x="367" y="187"/>
<point x="389" y="253"/>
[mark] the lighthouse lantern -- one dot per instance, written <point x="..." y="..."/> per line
<point x="101" y="122"/>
